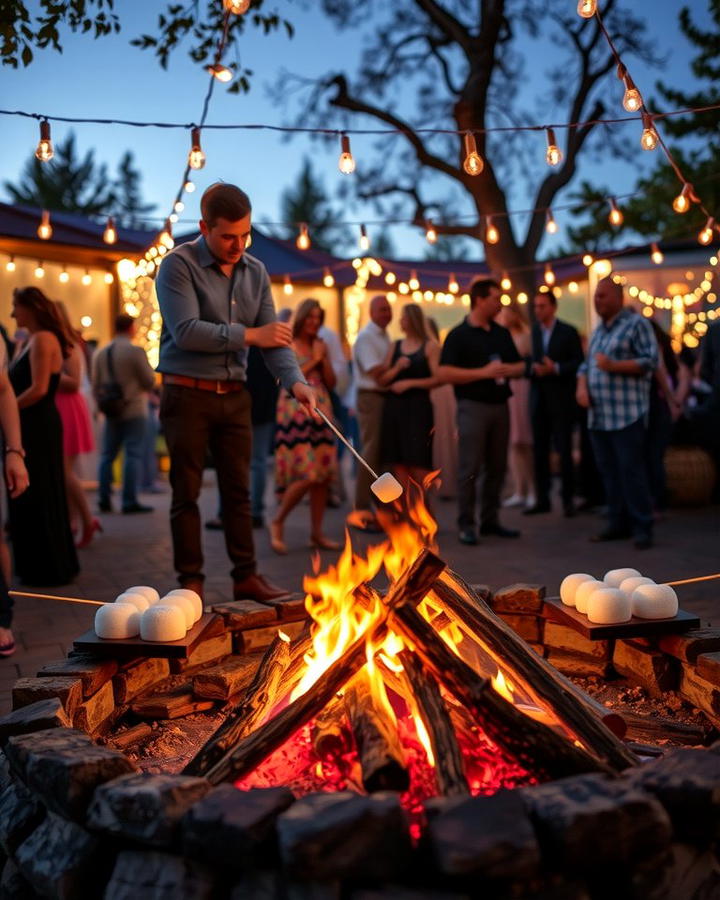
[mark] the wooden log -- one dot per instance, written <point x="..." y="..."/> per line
<point x="376" y="738"/>
<point x="329" y="734"/>
<point x="646" y="729"/>
<point x="449" y="767"/>
<point x="547" y="686"/>
<point x="409" y="589"/>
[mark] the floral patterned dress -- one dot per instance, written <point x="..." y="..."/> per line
<point x="304" y="447"/>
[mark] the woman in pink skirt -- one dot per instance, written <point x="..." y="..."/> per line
<point x="77" y="431"/>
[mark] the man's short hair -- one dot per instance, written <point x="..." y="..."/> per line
<point x="548" y="296"/>
<point x="481" y="288"/>
<point x="123" y="323"/>
<point x="224" y="201"/>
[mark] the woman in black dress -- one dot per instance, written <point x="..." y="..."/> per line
<point x="43" y="545"/>
<point x="411" y="371"/>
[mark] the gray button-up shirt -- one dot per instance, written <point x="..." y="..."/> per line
<point x="205" y="314"/>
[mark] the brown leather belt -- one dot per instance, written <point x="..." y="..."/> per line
<point x="203" y="384"/>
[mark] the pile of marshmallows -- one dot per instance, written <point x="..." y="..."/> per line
<point x="621" y="594"/>
<point x="141" y="611"/>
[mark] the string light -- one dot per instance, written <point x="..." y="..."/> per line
<point x="86" y="321"/>
<point x="364" y="239"/>
<point x="173" y="217"/>
<point x="346" y="162"/>
<point x="44" y="151"/>
<point x="453" y="286"/>
<point x="237" y="7"/>
<point x="549" y="275"/>
<point x="413" y="282"/>
<point x="165" y="238"/>
<point x="522" y="298"/>
<point x="492" y="235"/>
<point x="196" y="157"/>
<point x="430" y="232"/>
<point x="649" y="138"/>
<point x="178" y="206"/>
<point x="287" y="286"/>
<point x="64" y="277"/>
<point x="302" y="241"/>
<point x="87" y="278"/>
<point x="632" y="99"/>
<point x="551" y="225"/>
<point x="108" y="278"/>
<point x="45" y="231"/>
<point x="554" y="154"/>
<point x="473" y="163"/>
<point x="656" y="255"/>
<point x="219" y="71"/>
<point x="110" y="233"/>
<point x="505" y="282"/>
<point x="681" y="204"/>
<point x="39" y="270"/>
<point x="188" y="187"/>
<point x="587" y="260"/>
<point x="390" y="278"/>
<point x="706" y="234"/>
<point x="616" y="217"/>
<point x="328" y="279"/>
<point x="587" y="8"/>
<point x="10" y="265"/>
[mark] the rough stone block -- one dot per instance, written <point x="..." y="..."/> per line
<point x="708" y="667"/>
<point x="529" y="628"/>
<point x="29" y="690"/>
<point x="588" y="822"/>
<point x="258" y="639"/>
<point x="289" y="609"/>
<point x="688" y="646"/>
<point x="344" y="835"/>
<point x="561" y="637"/>
<point x="229" y="678"/>
<point x="60" y="859"/>
<point x="687" y="783"/>
<point x="243" y="820"/>
<point x="93" y="672"/>
<point x="63" y="767"/>
<point x="145" y="808"/>
<point x="39" y="716"/>
<point x="158" y="876"/>
<point x="700" y="692"/>
<point x="487" y="838"/>
<point x="20" y="814"/>
<point x="140" y="676"/>
<point x="239" y="615"/>
<point x="209" y="651"/>
<point x="656" y="672"/>
<point x="94" y="713"/>
<point x="581" y="666"/>
<point x="519" y="598"/>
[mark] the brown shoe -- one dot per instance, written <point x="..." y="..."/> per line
<point x="193" y="584"/>
<point x="257" y="587"/>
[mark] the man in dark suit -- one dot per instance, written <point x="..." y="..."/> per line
<point x="556" y="355"/>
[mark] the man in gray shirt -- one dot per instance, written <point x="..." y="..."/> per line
<point x="215" y="301"/>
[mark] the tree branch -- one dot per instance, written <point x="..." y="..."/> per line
<point x="447" y="23"/>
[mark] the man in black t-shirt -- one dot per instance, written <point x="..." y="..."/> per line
<point x="478" y="358"/>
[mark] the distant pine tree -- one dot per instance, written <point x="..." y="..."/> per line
<point x="129" y="206"/>
<point x="307" y="202"/>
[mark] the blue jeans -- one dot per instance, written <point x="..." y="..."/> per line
<point x="262" y="438"/>
<point x="621" y="459"/>
<point x="130" y="435"/>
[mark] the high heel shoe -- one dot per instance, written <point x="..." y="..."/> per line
<point x="276" y="539"/>
<point x="324" y="543"/>
<point x="88" y="533"/>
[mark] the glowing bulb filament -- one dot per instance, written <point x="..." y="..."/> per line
<point x="237" y="7"/>
<point x="656" y="255"/>
<point x="287" y="286"/>
<point x="110" y="233"/>
<point x="632" y="100"/>
<point x="346" y="163"/>
<point x="196" y="157"/>
<point x="649" y="138"/>
<point x="10" y="265"/>
<point x="554" y="154"/>
<point x="505" y="282"/>
<point x="473" y="163"/>
<point x="551" y="225"/>
<point x="616" y="217"/>
<point x="44" y="151"/>
<point x="328" y="279"/>
<point x="221" y="72"/>
<point x="430" y="232"/>
<point x="706" y="234"/>
<point x="549" y="275"/>
<point x="45" y="231"/>
<point x="681" y="204"/>
<point x="303" y="239"/>
<point x="453" y="286"/>
<point x="364" y="239"/>
<point x="63" y="277"/>
<point x="492" y="235"/>
<point x="587" y="8"/>
<point x="413" y="282"/>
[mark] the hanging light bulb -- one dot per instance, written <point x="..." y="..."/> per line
<point x="473" y="163"/>
<point x="110" y="233"/>
<point x="587" y="8"/>
<point x="188" y="187"/>
<point x="588" y="260"/>
<point x="302" y="241"/>
<point x="173" y="217"/>
<point x="364" y="239"/>
<point x="656" y="255"/>
<point x="430" y="232"/>
<point x="44" y="150"/>
<point x="413" y="282"/>
<point x="551" y="225"/>
<point x="649" y="138"/>
<point x="219" y="71"/>
<point x="40" y="270"/>
<point x="87" y="278"/>
<point x="615" y="217"/>
<point x="453" y="286"/>
<point x="681" y="204"/>
<point x="328" y="279"/>
<point x="549" y="275"/>
<point x="632" y="99"/>
<point x="237" y="7"/>
<point x="553" y="155"/>
<point x="505" y="282"/>
<point x="165" y="238"/>
<point x="390" y="278"/>
<point x="706" y="234"/>
<point x="10" y="265"/>
<point x="196" y="157"/>
<point x="287" y="286"/>
<point x="492" y="235"/>
<point x="45" y="231"/>
<point x="63" y="277"/>
<point x="108" y="278"/>
<point x="179" y="206"/>
<point x="346" y="162"/>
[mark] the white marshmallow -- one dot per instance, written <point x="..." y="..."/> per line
<point x="582" y="594"/>
<point x="654" y="601"/>
<point x="117" y="621"/>
<point x="193" y="597"/>
<point x="629" y="584"/>
<point x="152" y="595"/>
<point x="162" y="623"/>
<point x="184" y="603"/>
<point x="386" y="488"/>
<point x="569" y="586"/>
<point x="615" y="577"/>
<point x="139" y="601"/>
<point x="606" y="606"/>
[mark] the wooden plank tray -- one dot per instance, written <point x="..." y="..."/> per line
<point x="556" y="610"/>
<point x="207" y="626"/>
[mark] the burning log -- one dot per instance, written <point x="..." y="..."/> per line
<point x="376" y="739"/>
<point x="449" y="769"/>
<point x="329" y="734"/>
<point x="574" y="709"/>
<point x="409" y="590"/>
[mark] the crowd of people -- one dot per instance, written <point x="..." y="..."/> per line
<point x="241" y="384"/>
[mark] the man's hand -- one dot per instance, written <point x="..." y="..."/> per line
<point x="399" y="387"/>
<point x="274" y="334"/>
<point x="494" y="369"/>
<point x="544" y="368"/>
<point x="604" y="362"/>
<point x="402" y="363"/>
<point x="582" y="397"/>
<point x="16" y="476"/>
<point x="305" y="396"/>
<point x="319" y="350"/>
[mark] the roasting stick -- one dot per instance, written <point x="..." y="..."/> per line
<point x="693" y="580"/>
<point x="56" y="597"/>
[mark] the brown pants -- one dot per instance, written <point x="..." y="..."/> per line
<point x="369" y="410"/>
<point x="193" y="421"/>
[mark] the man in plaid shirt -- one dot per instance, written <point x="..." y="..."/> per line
<point x="614" y="384"/>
